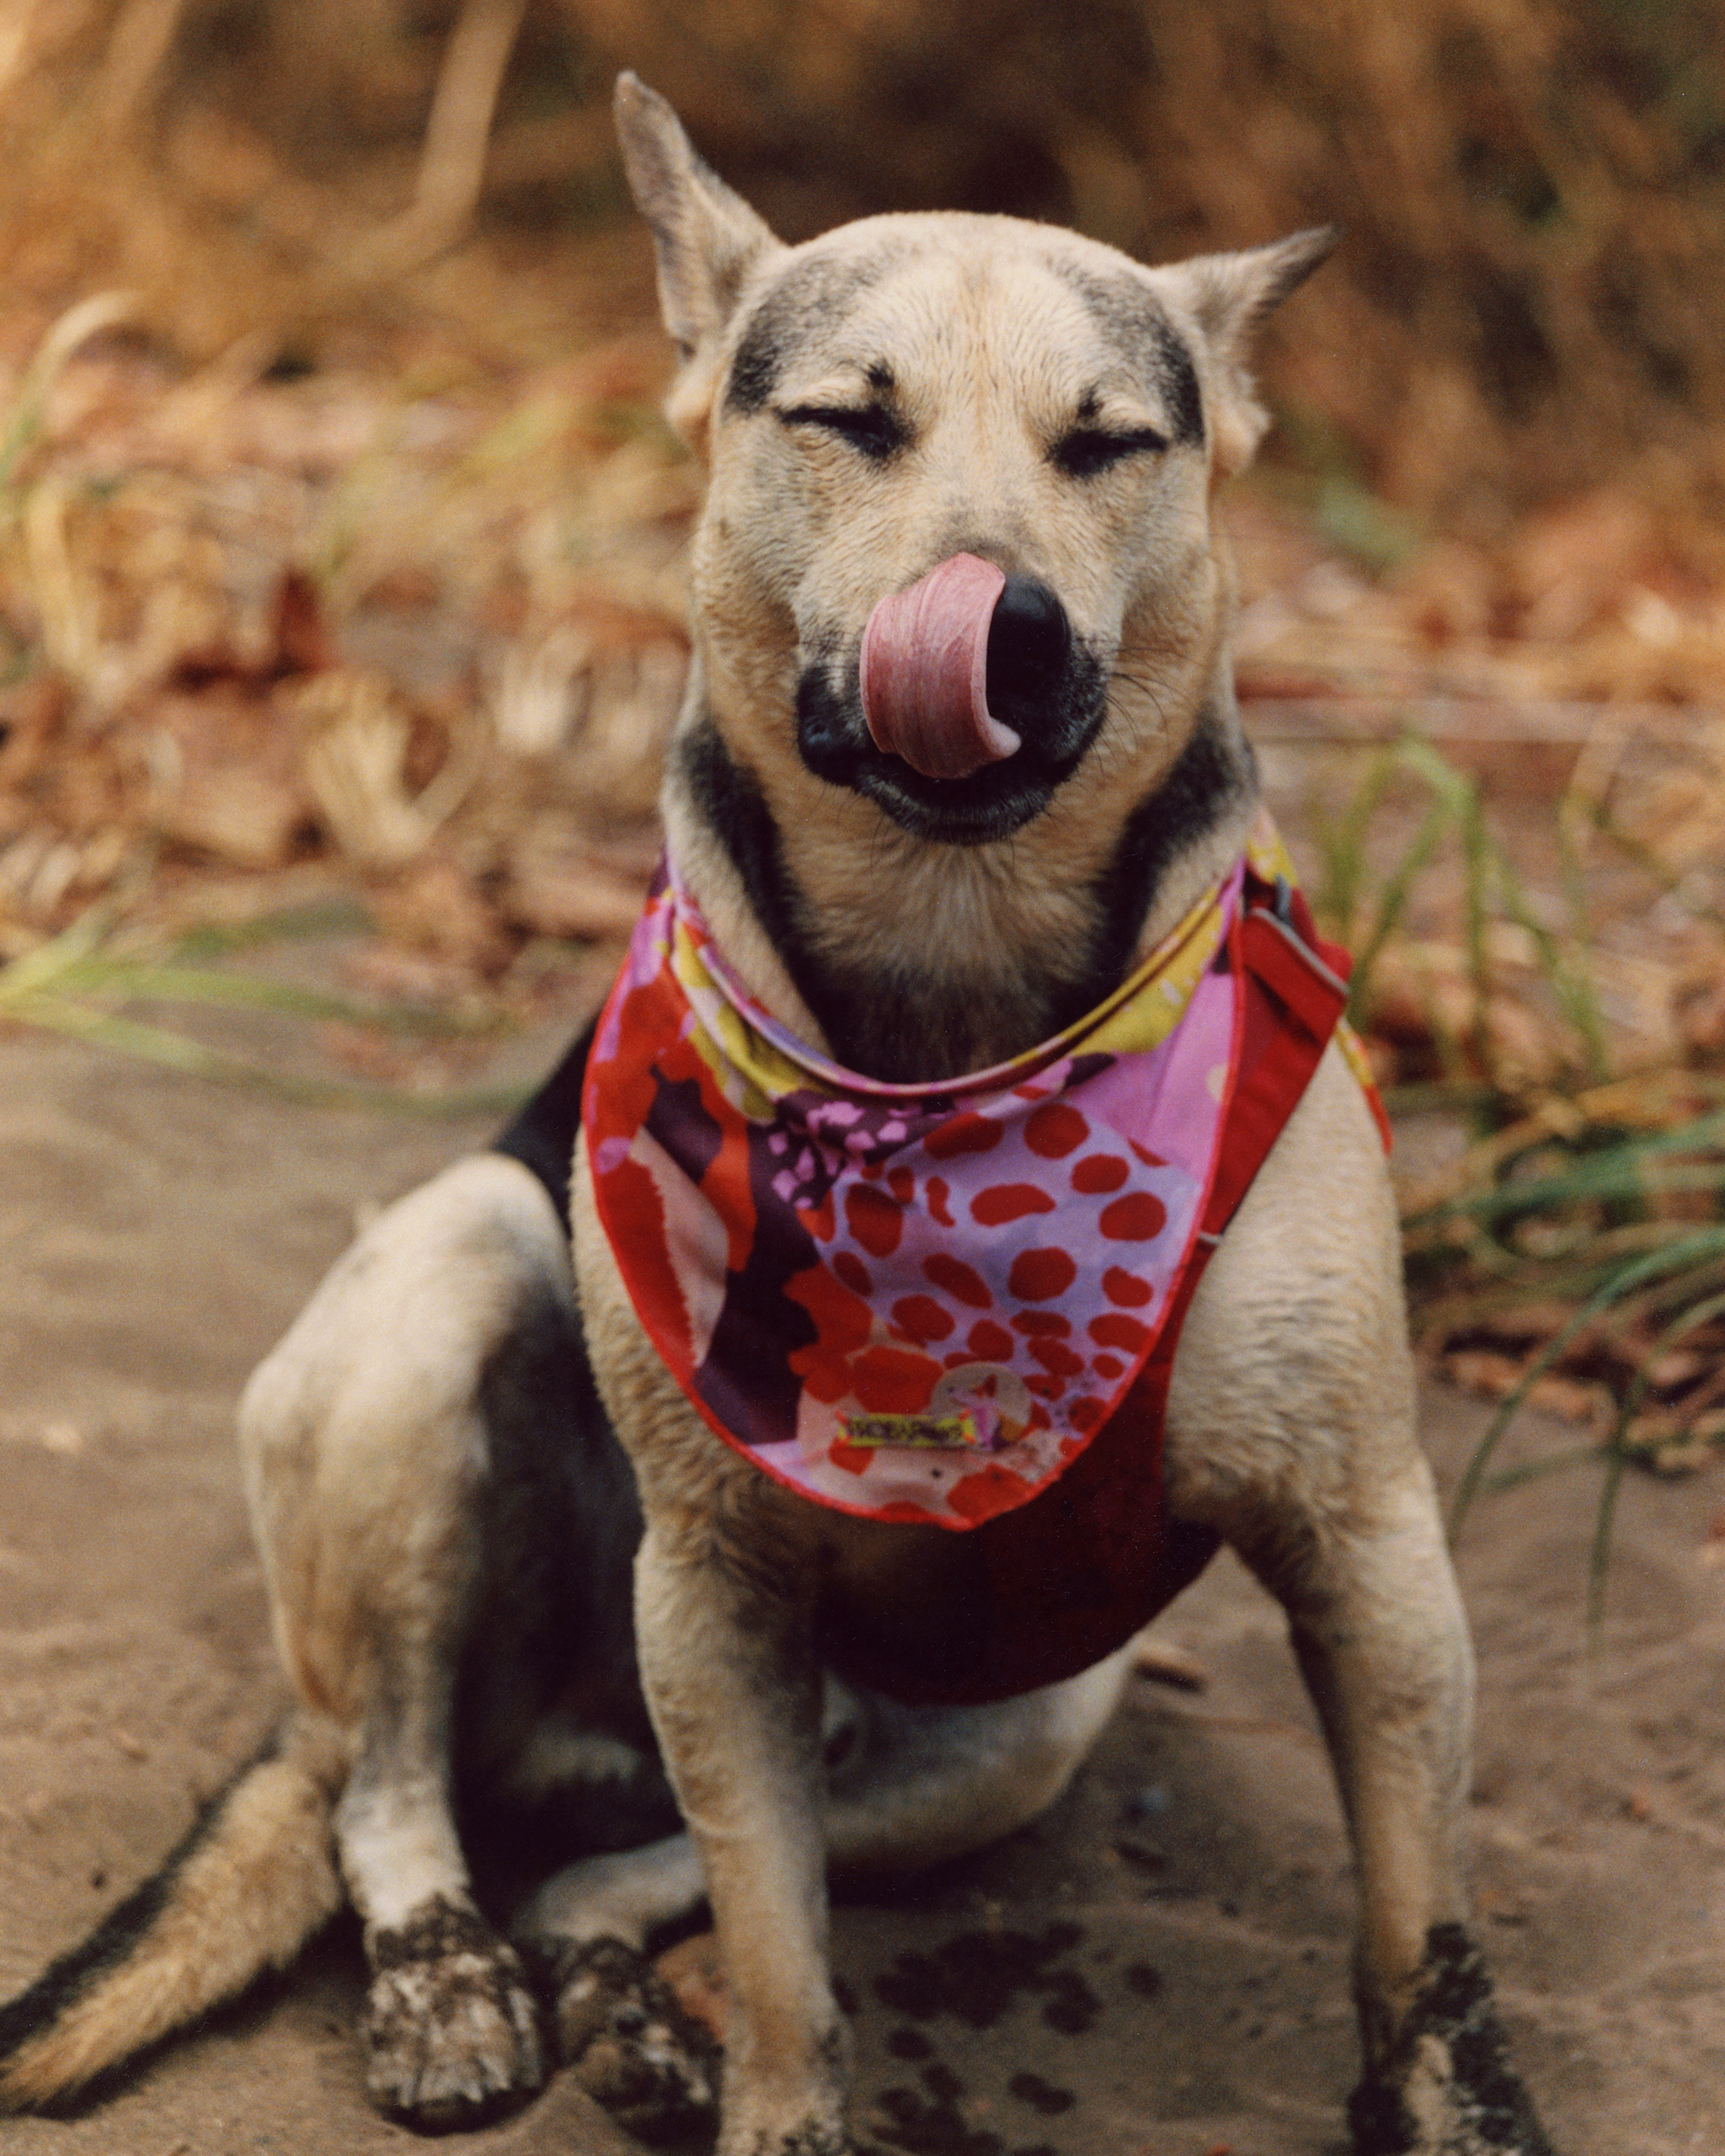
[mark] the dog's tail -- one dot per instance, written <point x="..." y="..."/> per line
<point x="247" y="1886"/>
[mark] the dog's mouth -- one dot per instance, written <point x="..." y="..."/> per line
<point x="969" y="700"/>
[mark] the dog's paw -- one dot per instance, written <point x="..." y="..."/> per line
<point x="450" y="2025"/>
<point x="629" y="2044"/>
<point x="1446" y="2086"/>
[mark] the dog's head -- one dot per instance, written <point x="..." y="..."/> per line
<point x="958" y="527"/>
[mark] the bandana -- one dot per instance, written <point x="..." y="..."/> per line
<point x="917" y="1303"/>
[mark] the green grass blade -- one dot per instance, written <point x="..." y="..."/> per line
<point x="174" y="1052"/>
<point x="1574" y="989"/>
<point x="1694" y="1250"/>
<point x="1392" y="902"/>
<point x="1536" y="1470"/>
<point x="1598" y="1180"/>
<point x="1599" y="1561"/>
<point x="156" y="983"/>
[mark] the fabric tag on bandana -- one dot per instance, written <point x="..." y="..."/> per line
<point x="963" y="1426"/>
<point x="910" y="1302"/>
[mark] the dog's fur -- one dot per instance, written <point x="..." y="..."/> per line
<point x="447" y="1518"/>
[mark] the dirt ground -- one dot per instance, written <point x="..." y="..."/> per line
<point x="1158" y="1968"/>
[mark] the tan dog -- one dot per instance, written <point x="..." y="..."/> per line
<point x="445" y="1518"/>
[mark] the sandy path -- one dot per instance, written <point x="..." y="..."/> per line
<point x="1157" y="1969"/>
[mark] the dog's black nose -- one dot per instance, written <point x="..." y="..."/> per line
<point x="1029" y="639"/>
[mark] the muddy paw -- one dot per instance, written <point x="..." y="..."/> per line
<point x="1446" y="2087"/>
<point x="450" y="2025"/>
<point x="629" y="2044"/>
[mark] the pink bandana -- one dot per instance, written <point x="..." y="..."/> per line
<point x="911" y="1302"/>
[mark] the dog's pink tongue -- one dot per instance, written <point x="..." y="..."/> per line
<point x="924" y="671"/>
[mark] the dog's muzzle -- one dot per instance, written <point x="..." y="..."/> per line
<point x="971" y="698"/>
<point x="943" y="663"/>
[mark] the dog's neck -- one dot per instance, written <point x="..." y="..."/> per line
<point x="910" y="961"/>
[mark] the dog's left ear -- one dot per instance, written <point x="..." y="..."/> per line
<point x="1229" y="296"/>
<point x="706" y="237"/>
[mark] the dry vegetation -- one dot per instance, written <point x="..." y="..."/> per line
<point x="340" y="544"/>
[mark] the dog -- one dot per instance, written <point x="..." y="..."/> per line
<point x="958" y="789"/>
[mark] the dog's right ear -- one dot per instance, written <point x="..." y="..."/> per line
<point x="706" y="237"/>
<point x="1231" y="298"/>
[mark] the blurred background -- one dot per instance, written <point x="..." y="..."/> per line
<point x="341" y="543"/>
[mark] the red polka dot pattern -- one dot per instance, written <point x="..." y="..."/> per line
<point x="850" y="1269"/>
<point x="990" y="1343"/>
<point x="963" y="1134"/>
<point x="1055" y="1129"/>
<point x="1098" y="1173"/>
<point x="1003" y="1202"/>
<point x="922" y="1319"/>
<point x="1038" y="1276"/>
<point x="962" y="1281"/>
<point x="1120" y="1286"/>
<point x="1114" y="1329"/>
<point x="875" y="1221"/>
<point x="1135" y="1219"/>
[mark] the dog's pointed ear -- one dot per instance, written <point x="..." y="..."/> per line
<point x="706" y="236"/>
<point x="1230" y="296"/>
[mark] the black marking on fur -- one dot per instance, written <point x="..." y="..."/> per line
<point x="801" y="309"/>
<point x="1206" y="779"/>
<point x="904" y="1025"/>
<point x="1179" y="385"/>
<point x="441" y="1928"/>
<point x="889" y="1025"/>
<point x="874" y="430"/>
<point x="937" y="2127"/>
<point x="543" y="1135"/>
<point x="1454" y="2011"/>
<point x="560" y="1521"/>
<point x="79" y="1972"/>
<point x="813" y="2140"/>
<point x="622" y="2031"/>
<point x="1135" y="322"/>
<point x="1088" y="451"/>
<point x="728" y="797"/>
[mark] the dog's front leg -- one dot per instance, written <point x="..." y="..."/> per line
<point x="1292" y="1430"/>
<point x="731" y="1677"/>
<point x="1377" y="1628"/>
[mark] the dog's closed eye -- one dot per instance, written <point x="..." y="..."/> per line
<point x="870" y="428"/>
<point x="1087" y="451"/>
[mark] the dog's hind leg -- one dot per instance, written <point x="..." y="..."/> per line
<point x="912" y="1786"/>
<point x="619" y="2028"/>
<point x="451" y="2023"/>
<point x="367" y="1452"/>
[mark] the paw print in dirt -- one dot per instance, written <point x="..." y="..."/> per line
<point x="977" y="1977"/>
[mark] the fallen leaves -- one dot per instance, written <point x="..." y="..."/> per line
<point x="447" y="666"/>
